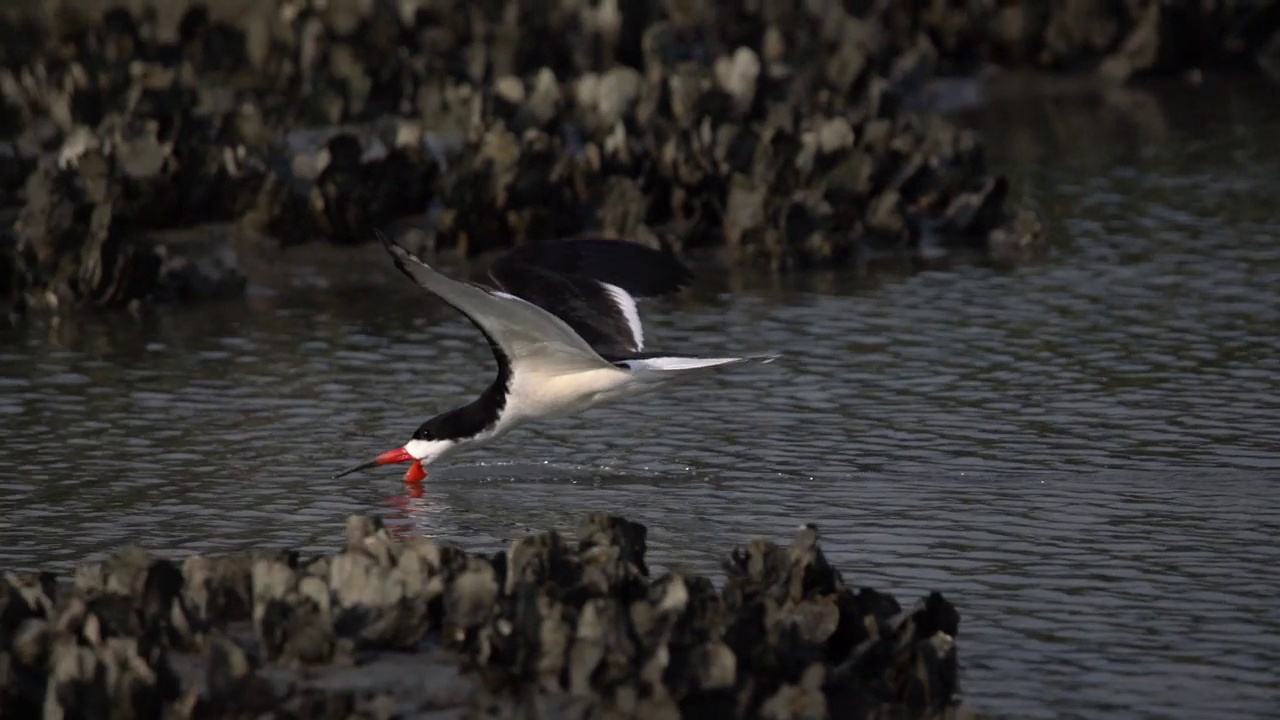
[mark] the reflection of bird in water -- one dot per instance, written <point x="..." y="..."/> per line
<point x="409" y="513"/>
<point x="566" y="335"/>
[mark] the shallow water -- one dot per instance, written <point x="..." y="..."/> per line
<point x="1083" y="453"/>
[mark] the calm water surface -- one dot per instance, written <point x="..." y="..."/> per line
<point x="1083" y="454"/>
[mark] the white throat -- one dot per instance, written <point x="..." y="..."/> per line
<point x="429" y="451"/>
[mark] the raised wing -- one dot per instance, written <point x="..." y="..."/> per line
<point x="592" y="285"/>
<point x="514" y="327"/>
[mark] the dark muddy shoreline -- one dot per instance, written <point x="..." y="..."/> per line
<point x="552" y="627"/>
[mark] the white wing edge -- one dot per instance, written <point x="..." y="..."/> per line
<point x="627" y="305"/>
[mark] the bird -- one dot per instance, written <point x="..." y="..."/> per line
<point x="562" y="322"/>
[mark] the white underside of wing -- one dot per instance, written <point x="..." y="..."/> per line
<point x="524" y="330"/>
<point x="630" y="313"/>
<point x="535" y="337"/>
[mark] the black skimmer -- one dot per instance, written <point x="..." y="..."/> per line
<point x="565" y="332"/>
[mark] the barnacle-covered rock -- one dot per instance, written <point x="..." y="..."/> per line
<point x="553" y="624"/>
<point x="781" y="132"/>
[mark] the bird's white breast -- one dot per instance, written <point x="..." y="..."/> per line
<point x="536" y="394"/>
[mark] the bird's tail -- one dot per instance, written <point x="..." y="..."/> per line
<point x="683" y="364"/>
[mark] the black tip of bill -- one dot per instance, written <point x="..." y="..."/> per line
<point x="358" y="468"/>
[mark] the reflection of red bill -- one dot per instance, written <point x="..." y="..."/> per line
<point x="400" y="521"/>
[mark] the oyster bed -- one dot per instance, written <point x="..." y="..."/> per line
<point x="553" y="627"/>
<point x="778" y="135"/>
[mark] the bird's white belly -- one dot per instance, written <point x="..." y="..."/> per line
<point x="535" y="395"/>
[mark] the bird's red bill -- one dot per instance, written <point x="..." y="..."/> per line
<point x="391" y="457"/>
<point x="416" y="474"/>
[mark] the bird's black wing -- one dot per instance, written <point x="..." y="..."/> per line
<point x="592" y="285"/>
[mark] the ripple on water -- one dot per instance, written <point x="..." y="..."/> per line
<point x="1081" y="454"/>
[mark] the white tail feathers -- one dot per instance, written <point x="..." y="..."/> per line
<point x="675" y="364"/>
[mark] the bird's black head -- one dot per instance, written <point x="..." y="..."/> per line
<point x="458" y="424"/>
<point x="433" y="429"/>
